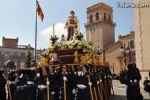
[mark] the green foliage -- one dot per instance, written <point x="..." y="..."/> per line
<point x="53" y="39"/>
<point x="28" y="60"/>
<point x="79" y="36"/>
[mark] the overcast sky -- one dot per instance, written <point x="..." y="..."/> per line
<point x="17" y="18"/>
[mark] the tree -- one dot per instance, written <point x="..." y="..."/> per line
<point x="28" y="60"/>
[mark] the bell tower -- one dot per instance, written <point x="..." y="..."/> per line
<point x="100" y="29"/>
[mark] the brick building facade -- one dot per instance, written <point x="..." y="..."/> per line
<point x="10" y="50"/>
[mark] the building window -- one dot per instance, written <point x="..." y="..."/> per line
<point x="91" y="18"/>
<point x="104" y="16"/>
<point x="132" y="44"/>
<point x="97" y="16"/>
<point x="23" y="56"/>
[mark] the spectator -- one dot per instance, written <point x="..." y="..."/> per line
<point x="147" y="84"/>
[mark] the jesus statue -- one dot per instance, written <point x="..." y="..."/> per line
<point x="72" y="25"/>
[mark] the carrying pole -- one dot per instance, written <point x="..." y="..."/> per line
<point x="90" y="88"/>
<point x="65" y="98"/>
<point x="9" y="91"/>
<point x="48" y="92"/>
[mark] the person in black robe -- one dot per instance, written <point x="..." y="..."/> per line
<point x="82" y="83"/>
<point x="53" y="86"/>
<point x="30" y="87"/>
<point x="40" y="82"/>
<point x="20" y="81"/>
<point x="64" y="76"/>
<point x="56" y="76"/>
<point x="133" y="79"/>
<point x="2" y="86"/>
<point x="146" y="85"/>
<point x="11" y="79"/>
<point x="95" y="82"/>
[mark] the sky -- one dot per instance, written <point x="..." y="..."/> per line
<point x="17" y="18"/>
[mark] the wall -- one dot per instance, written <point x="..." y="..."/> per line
<point x="142" y="30"/>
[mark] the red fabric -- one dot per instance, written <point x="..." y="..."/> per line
<point x="39" y="11"/>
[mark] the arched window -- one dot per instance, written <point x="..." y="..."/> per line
<point x="104" y="16"/>
<point x="97" y="16"/>
<point x="132" y="44"/>
<point x="91" y="18"/>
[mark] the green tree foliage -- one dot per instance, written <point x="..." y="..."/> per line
<point x="28" y="60"/>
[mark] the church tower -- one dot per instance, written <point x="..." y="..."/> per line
<point x="100" y="29"/>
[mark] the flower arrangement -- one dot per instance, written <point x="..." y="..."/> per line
<point x="79" y="36"/>
<point x="77" y="42"/>
<point x="53" y="39"/>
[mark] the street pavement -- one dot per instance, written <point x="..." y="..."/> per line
<point x="120" y="92"/>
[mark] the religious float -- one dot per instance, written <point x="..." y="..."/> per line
<point x="74" y="50"/>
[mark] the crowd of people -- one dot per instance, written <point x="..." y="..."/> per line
<point x="76" y="82"/>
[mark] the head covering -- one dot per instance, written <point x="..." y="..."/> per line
<point x="86" y="66"/>
<point x="130" y="66"/>
<point x="1" y="71"/>
<point x="72" y="12"/>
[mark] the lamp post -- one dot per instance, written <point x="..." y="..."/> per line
<point x="126" y="54"/>
<point x="101" y="52"/>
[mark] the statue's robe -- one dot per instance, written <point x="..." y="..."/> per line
<point x="71" y="26"/>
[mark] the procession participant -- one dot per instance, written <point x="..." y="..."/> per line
<point x="103" y="84"/>
<point x="106" y="80"/>
<point x="133" y="79"/>
<point x="2" y="85"/>
<point x="64" y="85"/>
<point x="146" y="85"/>
<point x="57" y="74"/>
<point x="82" y="85"/>
<point x="95" y="83"/>
<point x="91" y="71"/>
<point x="30" y="87"/>
<point x="100" y="84"/>
<point x="47" y="82"/>
<point x="72" y="75"/>
<point x="12" y="85"/>
<point x="54" y="88"/>
<point x="79" y="70"/>
<point x="72" y="25"/>
<point x="40" y="81"/>
<point x="21" y="81"/>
